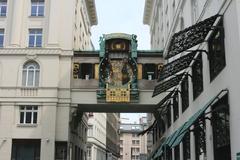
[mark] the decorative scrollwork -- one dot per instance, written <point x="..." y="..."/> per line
<point x="190" y="36"/>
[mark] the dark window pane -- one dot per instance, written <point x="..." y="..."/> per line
<point x="29" y="107"/>
<point x="28" y="117"/>
<point x="33" y="10"/>
<point x="169" y="121"/>
<point x="185" y="94"/>
<point x="21" y="117"/>
<point x="1" y="40"/>
<point x="35" y="117"/>
<point x="31" y="41"/>
<point x="197" y="77"/>
<point x="175" y="107"/>
<point x="22" y="107"/>
<point x="216" y="52"/>
<point x="177" y="153"/>
<point x="40" y="10"/>
<point x="39" y="41"/>
<point x="3" y="10"/>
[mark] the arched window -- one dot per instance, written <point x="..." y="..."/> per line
<point x="30" y="75"/>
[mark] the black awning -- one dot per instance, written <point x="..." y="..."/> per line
<point x="176" y="66"/>
<point x="190" y="36"/>
<point x="165" y="85"/>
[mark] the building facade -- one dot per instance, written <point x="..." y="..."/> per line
<point x="37" y="118"/>
<point x="112" y="136"/>
<point x="97" y="132"/>
<point x="198" y="116"/>
<point x="133" y="146"/>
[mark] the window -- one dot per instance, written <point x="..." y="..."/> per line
<point x="84" y="71"/>
<point x="35" y="38"/>
<point x="197" y="77"/>
<point x="28" y="114"/>
<point x="60" y="150"/>
<point x="149" y="71"/>
<point x="175" y="107"/>
<point x="26" y="149"/>
<point x="89" y="153"/>
<point x="200" y="138"/>
<point x="1" y="37"/>
<point x="186" y="146"/>
<point x="216" y="52"/>
<point x="185" y="94"/>
<point x="177" y="153"/>
<point x="3" y="7"/>
<point x="134" y="135"/>
<point x="221" y="129"/>
<point x="136" y="142"/>
<point x="37" y="8"/>
<point x="90" y="130"/>
<point x="168" y="114"/>
<point x="30" y="77"/>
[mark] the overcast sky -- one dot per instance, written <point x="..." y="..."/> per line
<point x="121" y="16"/>
<point x="126" y="16"/>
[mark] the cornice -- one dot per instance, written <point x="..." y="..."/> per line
<point x="35" y="51"/>
<point x="92" y="12"/>
<point x="147" y="11"/>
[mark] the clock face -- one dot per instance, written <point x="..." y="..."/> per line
<point x="117" y="45"/>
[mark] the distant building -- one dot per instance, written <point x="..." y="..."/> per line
<point x="97" y="134"/>
<point x="132" y="146"/>
<point x="112" y="131"/>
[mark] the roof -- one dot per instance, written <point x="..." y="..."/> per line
<point x="92" y="12"/>
<point x="131" y="127"/>
<point x="147" y="11"/>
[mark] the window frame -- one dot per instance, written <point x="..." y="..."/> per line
<point x="2" y="34"/>
<point x="185" y="93"/>
<point x="3" y="4"/>
<point x="23" y="109"/>
<point x="37" y="4"/>
<point x="175" y="104"/>
<point x="34" y="67"/>
<point x="197" y="77"/>
<point x="214" y="55"/>
<point x="35" y="33"/>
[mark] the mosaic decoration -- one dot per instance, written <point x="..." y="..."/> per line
<point x="118" y="69"/>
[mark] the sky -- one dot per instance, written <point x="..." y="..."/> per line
<point x="122" y="16"/>
<point x="116" y="16"/>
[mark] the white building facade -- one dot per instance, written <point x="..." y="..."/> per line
<point x="199" y="120"/>
<point x="37" y="118"/>
<point x="96" y="142"/>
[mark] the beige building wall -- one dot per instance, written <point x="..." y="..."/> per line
<point x="65" y="27"/>
<point x="132" y="146"/>
<point x="66" y="24"/>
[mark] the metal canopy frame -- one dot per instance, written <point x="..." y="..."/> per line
<point x="191" y="36"/>
<point x="176" y="137"/>
<point x="176" y="66"/>
<point x="165" y="85"/>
